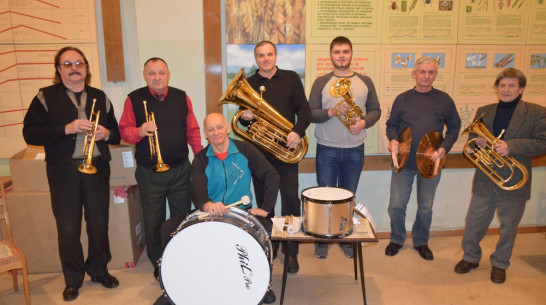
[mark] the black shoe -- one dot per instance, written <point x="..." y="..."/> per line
<point x="156" y="273"/>
<point x="425" y="252"/>
<point x="269" y="297"/>
<point x="347" y="249"/>
<point x="321" y="250"/>
<point x="392" y="249"/>
<point x="498" y="275"/>
<point x="70" y="294"/>
<point x="275" y="249"/>
<point x="107" y="280"/>
<point x="464" y="266"/>
<point x="161" y="301"/>
<point x="293" y="266"/>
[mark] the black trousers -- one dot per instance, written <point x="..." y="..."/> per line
<point x="156" y="189"/>
<point x="72" y="194"/>
<point x="288" y="187"/>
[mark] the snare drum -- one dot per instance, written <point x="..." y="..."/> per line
<point x="328" y="211"/>
<point x="217" y="260"/>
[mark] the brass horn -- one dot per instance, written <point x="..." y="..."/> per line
<point x="489" y="161"/>
<point x="342" y="88"/>
<point x="269" y="129"/>
<point x="89" y="143"/>
<point x="153" y="142"/>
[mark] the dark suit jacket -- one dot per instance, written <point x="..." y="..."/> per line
<point x="526" y="138"/>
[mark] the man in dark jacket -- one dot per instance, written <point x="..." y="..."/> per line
<point x="58" y="119"/>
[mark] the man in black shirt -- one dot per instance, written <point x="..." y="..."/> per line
<point x="284" y="92"/>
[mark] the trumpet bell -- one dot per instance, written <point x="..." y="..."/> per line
<point x="87" y="169"/>
<point x="161" y="167"/>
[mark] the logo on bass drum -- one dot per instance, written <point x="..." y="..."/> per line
<point x="244" y="262"/>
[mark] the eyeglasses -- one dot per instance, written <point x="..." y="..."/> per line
<point x="68" y="64"/>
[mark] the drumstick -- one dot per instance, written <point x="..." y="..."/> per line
<point x="244" y="200"/>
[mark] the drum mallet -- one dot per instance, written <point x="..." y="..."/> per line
<point x="244" y="200"/>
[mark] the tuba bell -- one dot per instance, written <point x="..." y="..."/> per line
<point x="89" y="143"/>
<point x="153" y="142"/>
<point x="342" y="88"/>
<point x="269" y="129"/>
<point x="489" y="161"/>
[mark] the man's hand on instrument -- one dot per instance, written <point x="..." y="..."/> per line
<point x="481" y="142"/>
<point x="101" y="133"/>
<point x="258" y="212"/>
<point x="293" y="140"/>
<point x="357" y="126"/>
<point x="394" y="146"/>
<point x="215" y="209"/>
<point x="342" y="108"/>
<point x="77" y="126"/>
<point x="147" y="129"/>
<point x="502" y="148"/>
<point x="248" y="115"/>
<point x="439" y="154"/>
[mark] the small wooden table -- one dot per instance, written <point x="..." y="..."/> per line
<point x="362" y="232"/>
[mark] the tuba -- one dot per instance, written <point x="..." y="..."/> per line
<point x="269" y="129"/>
<point x="342" y="88"/>
<point x="153" y="142"/>
<point x="488" y="160"/>
<point x="89" y="143"/>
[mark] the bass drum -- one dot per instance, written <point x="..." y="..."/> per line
<point x="217" y="260"/>
<point x="327" y="211"/>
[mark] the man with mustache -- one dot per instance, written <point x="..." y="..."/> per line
<point x="176" y="127"/>
<point x="57" y="118"/>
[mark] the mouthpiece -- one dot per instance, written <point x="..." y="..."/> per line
<point x="262" y="89"/>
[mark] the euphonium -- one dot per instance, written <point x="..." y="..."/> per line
<point x="488" y="160"/>
<point x="153" y="142"/>
<point x="342" y="88"/>
<point x="89" y="143"/>
<point x="269" y="128"/>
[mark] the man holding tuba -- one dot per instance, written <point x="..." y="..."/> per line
<point x="340" y="147"/>
<point x="518" y="129"/>
<point x="284" y="92"/>
<point x="174" y="126"/>
<point x="423" y="109"/>
<point x="59" y="119"/>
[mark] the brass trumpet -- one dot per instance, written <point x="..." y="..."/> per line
<point x="489" y="161"/>
<point x="270" y="128"/>
<point x="153" y="142"/>
<point x="342" y="88"/>
<point x="89" y="143"/>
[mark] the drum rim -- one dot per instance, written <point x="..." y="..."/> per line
<point x="324" y="201"/>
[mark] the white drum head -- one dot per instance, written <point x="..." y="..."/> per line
<point x="214" y="262"/>
<point x="327" y="193"/>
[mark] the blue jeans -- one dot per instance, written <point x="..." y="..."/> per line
<point x="339" y="166"/>
<point x="401" y="185"/>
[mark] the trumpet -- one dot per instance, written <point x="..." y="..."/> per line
<point x="342" y="88"/>
<point x="270" y="129"/>
<point x="490" y="161"/>
<point x="89" y="143"/>
<point x="153" y="142"/>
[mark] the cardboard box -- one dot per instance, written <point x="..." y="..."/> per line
<point x="28" y="168"/>
<point x="35" y="232"/>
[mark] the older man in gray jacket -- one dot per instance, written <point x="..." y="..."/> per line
<point x="525" y="137"/>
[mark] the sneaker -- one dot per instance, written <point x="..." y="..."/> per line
<point x="348" y="249"/>
<point x="321" y="250"/>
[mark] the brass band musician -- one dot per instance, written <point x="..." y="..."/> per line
<point x="175" y="126"/>
<point x="523" y="129"/>
<point x="58" y="119"/>
<point x="340" y="149"/>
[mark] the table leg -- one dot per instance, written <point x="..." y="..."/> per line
<point x="285" y="268"/>
<point x="354" y="259"/>
<point x="359" y="250"/>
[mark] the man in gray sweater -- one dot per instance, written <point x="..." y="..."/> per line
<point x="340" y="149"/>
